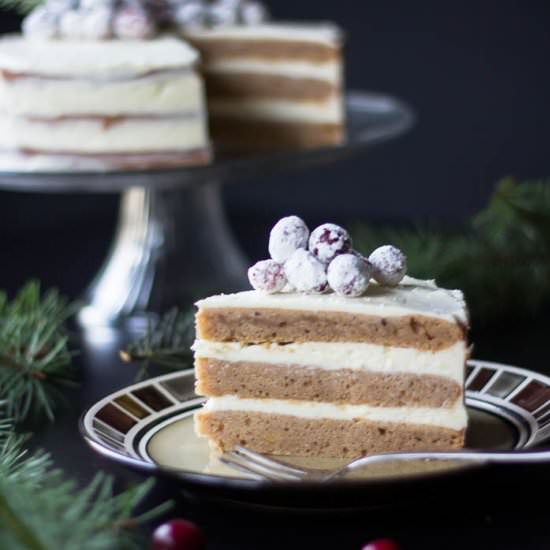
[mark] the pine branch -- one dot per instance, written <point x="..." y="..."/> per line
<point x="166" y="343"/>
<point x="40" y="509"/>
<point x="501" y="259"/>
<point x="23" y="7"/>
<point x="35" y="360"/>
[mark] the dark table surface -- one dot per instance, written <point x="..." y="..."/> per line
<point x="500" y="508"/>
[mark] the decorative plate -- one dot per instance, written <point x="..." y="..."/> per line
<point x="149" y="427"/>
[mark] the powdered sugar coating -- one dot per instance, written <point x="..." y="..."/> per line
<point x="41" y="23"/>
<point x="267" y="276"/>
<point x="288" y="235"/>
<point x="306" y="273"/>
<point x="349" y="275"/>
<point x="329" y="240"/>
<point x="134" y="23"/>
<point x="389" y="265"/>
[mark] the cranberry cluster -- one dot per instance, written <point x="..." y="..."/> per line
<point x="322" y="261"/>
<point x="135" y="19"/>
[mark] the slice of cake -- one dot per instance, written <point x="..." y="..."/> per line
<point x="345" y="367"/>
<point x="272" y="86"/>
<point x="100" y="105"/>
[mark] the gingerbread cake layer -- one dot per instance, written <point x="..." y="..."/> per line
<point x="255" y="135"/>
<point x="100" y="105"/>
<point x="275" y="86"/>
<point x="324" y="437"/>
<point x="354" y="387"/>
<point x="251" y="326"/>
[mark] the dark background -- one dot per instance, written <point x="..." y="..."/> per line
<point x="476" y="74"/>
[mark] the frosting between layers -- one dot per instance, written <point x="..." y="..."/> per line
<point x="104" y="59"/>
<point x="91" y="136"/>
<point x="454" y="418"/>
<point x="330" y="72"/>
<point x="285" y="32"/>
<point x="410" y="297"/>
<point x="448" y="363"/>
<point x="320" y="112"/>
<point x="164" y="92"/>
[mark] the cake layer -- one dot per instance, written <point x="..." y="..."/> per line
<point x="327" y="111"/>
<point x="453" y="418"/>
<point x="281" y="434"/>
<point x="327" y="72"/>
<point x="259" y="325"/>
<point x="104" y="59"/>
<point x="345" y="386"/>
<point x="312" y="43"/>
<point x="410" y="297"/>
<point x="252" y="135"/>
<point x="226" y="86"/>
<point x="163" y="92"/>
<point x="36" y="161"/>
<point x="447" y="363"/>
<point x="91" y="135"/>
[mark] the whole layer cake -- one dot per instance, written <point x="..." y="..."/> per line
<point x="272" y="86"/>
<point x="96" y="105"/>
<point x="326" y="375"/>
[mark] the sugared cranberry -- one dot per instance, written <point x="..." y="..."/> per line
<point x="288" y="235"/>
<point x="328" y="241"/>
<point x="381" y="544"/>
<point x="349" y="275"/>
<point x="133" y="23"/>
<point x="177" y="534"/>
<point x="389" y="265"/>
<point x="267" y="276"/>
<point x="305" y="273"/>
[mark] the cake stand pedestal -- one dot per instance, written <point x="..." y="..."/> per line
<point x="173" y="243"/>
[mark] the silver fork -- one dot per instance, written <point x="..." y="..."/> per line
<point x="260" y="466"/>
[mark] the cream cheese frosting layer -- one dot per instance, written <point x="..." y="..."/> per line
<point x="157" y="93"/>
<point x="329" y="72"/>
<point x="94" y="59"/>
<point x="448" y="363"/>
<point x="92" y="136"/>
<point x="454" y="418"/>
<point x="410" y="297"/>
<point x="284" y="32"/>
<point x="317" y="112"/>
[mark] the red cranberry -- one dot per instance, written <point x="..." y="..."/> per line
<point x="305" y="273"/>
<point x="329" y="240"/>
<point x="267" y="276"/>
<point x="349" y="275"/>
<point x="389" y="263"/>
<point x="177" y="534"/>
<point x="381" y="544"/>
<point x="288" y="235"/>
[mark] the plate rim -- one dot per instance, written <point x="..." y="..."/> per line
<point x="253" y="484"/>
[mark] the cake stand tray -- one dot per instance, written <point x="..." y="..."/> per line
<point x="172" y="242"/>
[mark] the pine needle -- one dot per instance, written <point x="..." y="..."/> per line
<point x="22" y="7"/>
<point x="166" y="343"/>
<point x="501" y="259"/>
<point x="35" y="360"/>
<point x="41" y="510"/>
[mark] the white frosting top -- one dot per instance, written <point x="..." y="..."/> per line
<point x="99" y="59"/>
<point x="411" y="296"/>
<point x="287" y="32"/>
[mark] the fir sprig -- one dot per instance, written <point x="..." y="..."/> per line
<point x="501" y="259"/>
<point x="20" y="6"/>
<point x="41" y="510"/>
<point x="166" y="343"/>
<point x="35" y="360"/>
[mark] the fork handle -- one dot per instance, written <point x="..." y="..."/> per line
<point x="484" y="457"/>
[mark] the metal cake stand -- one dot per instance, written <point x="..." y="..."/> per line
<point x="172" y="242"/>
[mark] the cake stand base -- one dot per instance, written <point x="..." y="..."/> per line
<point x="170" y="248"/>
